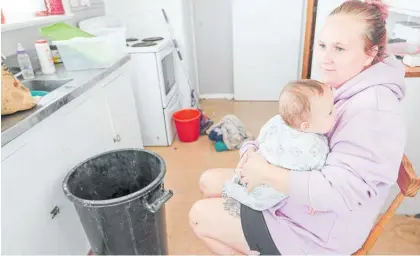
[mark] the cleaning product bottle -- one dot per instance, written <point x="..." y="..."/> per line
<point x="45" y="57"/>
<point x="24" y="63"/>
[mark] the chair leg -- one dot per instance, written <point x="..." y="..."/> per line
<point x="380" y="225"/>
<point x="360" y="252"/>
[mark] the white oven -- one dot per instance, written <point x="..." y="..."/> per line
<point x="156" y="90"/>
<point x="166" y="68"/>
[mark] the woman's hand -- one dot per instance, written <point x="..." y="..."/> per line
<point x="245" y="157"/>
<point x="253" y="170"/>
<point x="257" y="171"/>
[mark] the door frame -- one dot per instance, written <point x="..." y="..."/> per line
<point x="309" y="38"/>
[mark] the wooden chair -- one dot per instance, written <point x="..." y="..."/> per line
<point x="409" y="184"/>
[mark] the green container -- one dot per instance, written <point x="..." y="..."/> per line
<point x="62" y="31"/>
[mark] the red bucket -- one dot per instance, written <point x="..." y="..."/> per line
<point x="187" y="122"/>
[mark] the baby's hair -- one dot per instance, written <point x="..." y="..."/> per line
<point x="294" y="102"/>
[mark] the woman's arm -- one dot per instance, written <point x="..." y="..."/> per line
<point x="365" y="153"/>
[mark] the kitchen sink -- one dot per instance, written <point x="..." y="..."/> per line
<point x="44" y="85"/>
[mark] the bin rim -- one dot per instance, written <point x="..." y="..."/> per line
<point x="120" y="200"/>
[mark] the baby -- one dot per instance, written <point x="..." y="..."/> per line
<point x="294" y="139"/>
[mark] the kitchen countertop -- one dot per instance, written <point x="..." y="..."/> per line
<point x="412" y="71"/>
<point x="14" y="125"/>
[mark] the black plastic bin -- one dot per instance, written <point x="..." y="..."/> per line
<point x="120" y="197"/>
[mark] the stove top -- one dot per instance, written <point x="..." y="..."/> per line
<point x="144" y="44"/>
<point x="148" y="44"/>
<point x="131" y="39"/>
<point x="153" y="39"/>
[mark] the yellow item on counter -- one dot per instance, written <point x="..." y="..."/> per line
<point x="14" y="96"/>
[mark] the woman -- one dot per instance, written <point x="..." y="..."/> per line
<point x="366" y="142"/>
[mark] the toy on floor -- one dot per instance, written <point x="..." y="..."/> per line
<point x="216" y="135"/>
<point x="228" y="134"/>
<point x="205" y="123"/>
<point x="220" y="146"/>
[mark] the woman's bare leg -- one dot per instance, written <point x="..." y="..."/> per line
<point x="220" y="230"/>
<point x="218" y="248"/>
<point x="211" y="182"/>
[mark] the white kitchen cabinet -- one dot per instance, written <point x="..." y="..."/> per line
<point x="31" y="184"/>
<point x="29" y="192"/>
<point x="123" y="113"/>
<point x="32" y="176"/>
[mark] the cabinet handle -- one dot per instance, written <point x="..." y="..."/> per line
<point x="117" y="139"/>
<point x="54" y="212"/>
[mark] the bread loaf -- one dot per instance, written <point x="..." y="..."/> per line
<point x="14" y="96"/>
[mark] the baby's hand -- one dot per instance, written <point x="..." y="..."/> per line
<point x="237" y="177"/>
<point x="245" y="157"/>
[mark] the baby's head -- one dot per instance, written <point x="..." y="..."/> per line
<point x="307" y="105"/>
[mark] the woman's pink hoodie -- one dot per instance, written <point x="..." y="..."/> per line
<point x="367" y="144"/>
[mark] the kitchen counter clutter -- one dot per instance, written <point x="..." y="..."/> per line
<point x="90" y="112"/>
<point x="412" y="71"/>
<point x="75" y="84"/>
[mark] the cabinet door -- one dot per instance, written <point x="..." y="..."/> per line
<point x="89" y="125"/>
<point x="32" y="178"/>
<point x="26" y="193"/>
<point x="123" y="112"/>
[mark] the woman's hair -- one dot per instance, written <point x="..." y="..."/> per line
<point x="374" y="13"/>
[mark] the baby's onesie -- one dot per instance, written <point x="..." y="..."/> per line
<point x="282" y="146"/>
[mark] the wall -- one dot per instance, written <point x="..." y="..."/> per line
<point x="186" y="40"/>
<point x="267" y="46"/>
<point x="213" y="36"/>
<point x="28" y="36"/>
<point x="214" y="30"/>
<point x="411" y="105"/>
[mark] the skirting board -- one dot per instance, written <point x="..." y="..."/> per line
<point x="210" y="96"/>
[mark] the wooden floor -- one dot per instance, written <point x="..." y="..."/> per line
<point x="186" y="161"/>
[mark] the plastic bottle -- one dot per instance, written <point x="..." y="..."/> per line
<point x="45" y="57"/>
<point x="55" y="54"/>
<point x="24" y="63"/>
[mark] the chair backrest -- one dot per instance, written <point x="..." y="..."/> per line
<point x="409" y="184"/>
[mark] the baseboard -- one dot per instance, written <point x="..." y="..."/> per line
<point x="228" y="96"/>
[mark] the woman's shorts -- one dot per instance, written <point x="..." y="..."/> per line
<point x="256" y="232"/>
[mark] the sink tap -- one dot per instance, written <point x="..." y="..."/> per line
<point x="4" y="66"/>
<point x="3" y="58"/>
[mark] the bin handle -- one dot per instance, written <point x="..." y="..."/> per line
<point x="157" y="204"/>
